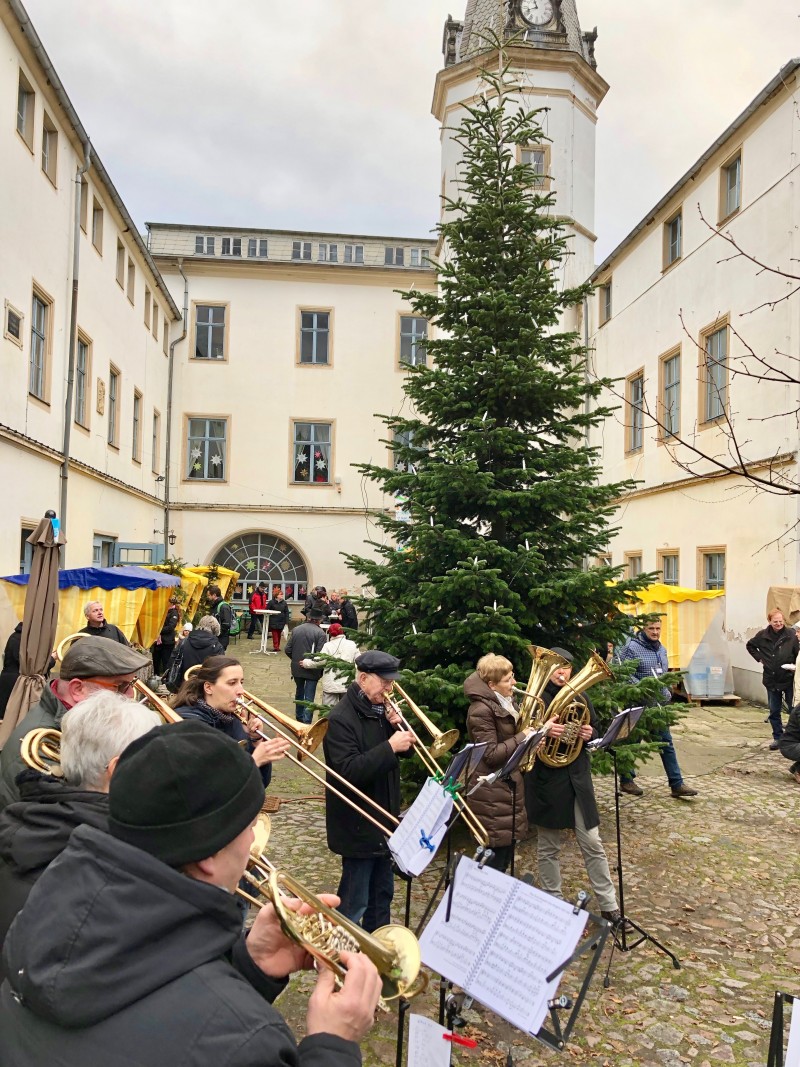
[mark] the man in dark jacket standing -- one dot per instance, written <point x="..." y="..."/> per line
<point x="257" y="602"/>
<point x="98" y="626"/>
<point x="773" y="647"/>
<point x="562" y="798"/>
<point x="143" y="960"/>
<point x="36" y="829"/>
<point x="362" y="744"/>
<point x="304" y="641"/>
<point x="348" y="612"/>
<point x="222" y="612"/>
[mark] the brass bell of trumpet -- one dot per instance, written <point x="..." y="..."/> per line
<point x="443" y="740"/>
<point x="325" y="932"/>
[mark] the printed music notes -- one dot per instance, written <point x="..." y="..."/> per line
<point x="422" y="828"/>
<point x="502" y="940"/>
<point x="426" y="1044"/>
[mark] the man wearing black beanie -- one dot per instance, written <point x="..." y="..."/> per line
<point x="143" y="960"/>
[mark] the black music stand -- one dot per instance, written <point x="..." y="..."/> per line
<point x="626" y="934"/>
<point x="775" y="1056"/>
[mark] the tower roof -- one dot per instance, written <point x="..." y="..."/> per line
<point x="487" y="16"/>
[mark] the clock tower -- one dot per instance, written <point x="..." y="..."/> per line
<point x="554" y="62"/>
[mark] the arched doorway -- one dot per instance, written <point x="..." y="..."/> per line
<point x="263" y="557"/>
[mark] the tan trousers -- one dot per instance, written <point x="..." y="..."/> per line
<point x="594" y="858"/>
<point x="330" y="700"/>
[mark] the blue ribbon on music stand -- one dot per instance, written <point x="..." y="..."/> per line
<point x="425" y="842"/>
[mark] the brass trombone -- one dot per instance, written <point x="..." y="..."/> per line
<point x="443" y="740"/>
<point x="435" y="770"/>
<point x="61" y="651"/>
<point x="40" y="750"/>
<point x="246" y="709"/>
<point x="325" y="932"/>
<point x="159" y="706"/>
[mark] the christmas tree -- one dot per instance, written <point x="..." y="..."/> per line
<point x="501" y="515"/>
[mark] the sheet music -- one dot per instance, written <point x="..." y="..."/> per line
<point x="619" y="728"/>
<point x="426" y="1045"/>
<point x="792" y="1058"/>
<point x="469" y="757"/>
<point x="415" y="841"/>
<point x="503" y="938"/>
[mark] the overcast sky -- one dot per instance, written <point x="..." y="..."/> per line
<point x="316" y="115"/>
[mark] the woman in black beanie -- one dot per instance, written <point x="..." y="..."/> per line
<point x="210" y="694"/>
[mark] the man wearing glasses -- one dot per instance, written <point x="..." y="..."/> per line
<point x="91" y="665"/>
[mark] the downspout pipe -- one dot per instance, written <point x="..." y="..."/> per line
<point x="170" y="380"/>
<point x="73" y="337"/>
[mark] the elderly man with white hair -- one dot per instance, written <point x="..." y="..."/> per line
<point x="98" y="626"/>
<point x="36" y="829"/>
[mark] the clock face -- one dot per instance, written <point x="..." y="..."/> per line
<point x="536" y="12"/>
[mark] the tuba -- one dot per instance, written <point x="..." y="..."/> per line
<point x="532" y="713"/>
<point x="325" y="932"/>
<point x="574" y="713"/>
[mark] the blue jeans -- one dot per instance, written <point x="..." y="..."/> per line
<point x="366" y="890"/>
<point x="304" y="689"/>
<point x="775" y="698"/>
<point x="668" y="758"/>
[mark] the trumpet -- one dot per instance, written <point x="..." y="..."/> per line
<point x="41" y="751"/>
<point x="246" y="709"/>
<point x="435" y="770"/>
<point x="443" y="741"/>
<point x="325" y="933"/>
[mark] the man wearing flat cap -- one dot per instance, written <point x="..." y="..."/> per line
<point x="363" y="743"/>
<point x="144" y="960"/>
<point x="91" y="665"/>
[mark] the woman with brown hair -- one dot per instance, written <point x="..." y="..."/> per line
<point x="493" y="718"/>
<point x="210" y="694"/>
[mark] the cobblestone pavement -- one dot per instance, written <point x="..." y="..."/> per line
<point x="716" y="879"/>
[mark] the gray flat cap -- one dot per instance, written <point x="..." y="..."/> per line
<point x="98" y="657"/>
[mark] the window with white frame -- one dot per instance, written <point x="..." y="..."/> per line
<point x="131" y="280"/>
<point x="419" y="257"/>
<point x="257" y="247"/>
<point x="155" y="443"/>
<point x="82" y="382"/>
<point x="207" y="447"/>
<point x="40" y="325"/>
<point x="327" y="253"/>
<point x="394" y="256"/>
<point x="49" y="148"/>
<point x="311" y="459"/>
<point x="633" y="562"/>
<point x="604" y="301"/>
<point x="203" y="246"/>
<point x="113" y="407"/>
<point x="136" y="447"/>
<point x="731" y="187"/>
<point x="635" y="412"/>
<point x="413" y="338"/>
<point x="97" y="225"/>
<point x="536" y="157"/>
<point x="165" y="336"/>
<point x="354" y="253"/>
<point x="314" y="336"/>
<point x="669" y="568"/>
<point x="103" y="551"/>
<point x="401" y="439"/>
<point x="231" y="246"/>
<point x="715" y="374"/>
<point x="673" y="239"/>
<point x="301" y="250"/>
<point x="209" y="331"/>
<point x="120" y="263"/>
<point x="26" y="100"/>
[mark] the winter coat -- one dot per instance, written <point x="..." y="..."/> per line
<point x="489" y="721"/>
<point x="170" y="625"/>
<point x="197" y="647"/>
<point x="772" y="650"/>
<point x="551" y="792"/>
<point x="348" y="614"/>
<point x="229" y="725"/>
<point x="304" y="641"/>
<point x="652" y="660"/>
<point x="139" y="966"/>
<point x="109" y="630"/>
<point x="342" y="648"/>
<point x="36" y="829"/>
<point x="277" y="622"/>
<point x="257" y="602"/>
<point x="223" y="613"/>
<point x="357" y="746"/>
<point x="10" y="672"/>
<point x="47" y="713"/>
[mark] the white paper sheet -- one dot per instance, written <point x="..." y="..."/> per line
<point x="503" y="938"/>
<point x="792" y="1058"/>
<point x="422" y="829"/>
<point x="426" y="1045"/>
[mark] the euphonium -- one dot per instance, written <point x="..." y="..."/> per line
<point x="443" y="740"/>
<point x="325" y="932"/>
<point x="574" y="713"/>
<point x="532" y="713"/>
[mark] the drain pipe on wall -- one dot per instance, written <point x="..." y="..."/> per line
<point x="170" y="378"/>
<point x="73" y="337"/>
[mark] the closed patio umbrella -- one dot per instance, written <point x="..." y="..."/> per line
<point x="39" y="623"/>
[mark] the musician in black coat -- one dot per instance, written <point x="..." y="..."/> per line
<point x="363" y="744"/>
<point x="562" y="798"/>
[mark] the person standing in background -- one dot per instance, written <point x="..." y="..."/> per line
<point x="775" y="647"/>
<point x="258" y="602"/>
<point x="164" y="644"/>
<point x="276" y="623"/>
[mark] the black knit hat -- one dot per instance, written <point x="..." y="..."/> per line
<point x="563" y="653"/>
<point x="182" y="792"/>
